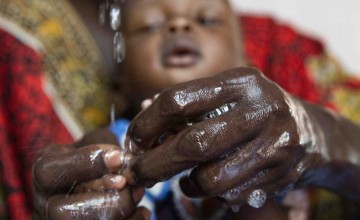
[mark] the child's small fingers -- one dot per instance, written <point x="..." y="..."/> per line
<point x="114" y="181"/>
<point x="107" y="182"/>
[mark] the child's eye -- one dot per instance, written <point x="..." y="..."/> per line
<point x="208" y="21"/>
<point x="151" y="28"/>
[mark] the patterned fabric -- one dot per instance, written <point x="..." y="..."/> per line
<point x="52" y="89"/>
<point x="300" y="65"/>
<point x="72" y="63"/>
<point x="281" y="53"/>
<point x="339" y="87"/>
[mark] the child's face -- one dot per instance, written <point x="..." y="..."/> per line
<point x="172" y="41"/>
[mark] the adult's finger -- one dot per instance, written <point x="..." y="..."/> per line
<point x="59" y="172"/>
<point x="256" y="193"/>
<point x="247" y="166"/>
<point x="112" y="204"/>
<point x="204" y="141"/>
<point x="190" y="100"/>
<point x="109" y="181"/>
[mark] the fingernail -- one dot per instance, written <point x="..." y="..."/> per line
<point x="130" y="145"/>
<point x="235" y="208"/>
<point x="114" y="181"/>
<point x="112" y="159"/>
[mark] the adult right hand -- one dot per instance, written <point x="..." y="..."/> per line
<point x="84" y="183"/>
<point x="244" y="138"/>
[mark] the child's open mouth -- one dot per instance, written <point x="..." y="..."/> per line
<point x="180" y="52"/>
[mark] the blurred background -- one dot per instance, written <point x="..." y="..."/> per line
<point x="336" y="23"/>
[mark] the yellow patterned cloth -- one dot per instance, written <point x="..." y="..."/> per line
<point x="340" y="88"/>
<point x="72" y="62"/>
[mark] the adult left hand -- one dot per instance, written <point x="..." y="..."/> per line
<point x="82" y="181"/>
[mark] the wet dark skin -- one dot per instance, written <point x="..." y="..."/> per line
<point x="72" y="182"/>
<point x="229" y="150"/>
<point x="268" y="140"/>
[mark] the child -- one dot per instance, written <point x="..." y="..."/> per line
<point x="169" y="42"/>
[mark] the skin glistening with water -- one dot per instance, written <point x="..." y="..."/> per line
<point x="267" y="141"/>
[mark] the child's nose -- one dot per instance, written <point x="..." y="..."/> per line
<point x="179" y="25"/>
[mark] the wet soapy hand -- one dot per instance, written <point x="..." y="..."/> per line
<point x="73" y="182"/>
<point x="244" y="138"/>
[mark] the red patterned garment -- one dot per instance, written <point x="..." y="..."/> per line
<point x="27" y="122"/>
<point x="281" y="54"/>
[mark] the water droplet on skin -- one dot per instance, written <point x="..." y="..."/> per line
<point x="235" y="208"/>
<point x="115" y="24"/>
<point x="189" y="122"/>
<point x="94" y="155"/>
<point x="115" y="17"/>
<point x="257" y="198"/>
<point x="119" y="47"/>
<point x="112" y="113"/>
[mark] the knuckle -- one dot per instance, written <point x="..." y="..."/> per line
<point x="173" y="102"/>
<point x="196" y="145"/>
<point x="281" y="108"/>
<point x="40" y="175"/>
<point x="207" y="183"/>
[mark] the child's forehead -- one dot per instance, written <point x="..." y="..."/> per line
<point x="130" y="5"/>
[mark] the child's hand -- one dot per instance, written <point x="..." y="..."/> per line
<point x="83" y="183"/>
<point x="246" y="137"/>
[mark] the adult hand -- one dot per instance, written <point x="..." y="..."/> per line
<point x="242" y="135"/>
<point x="84" y="183"/>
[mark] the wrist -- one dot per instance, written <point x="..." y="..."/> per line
<point x="340" y="177"/>
<point x="310" y="133"/>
